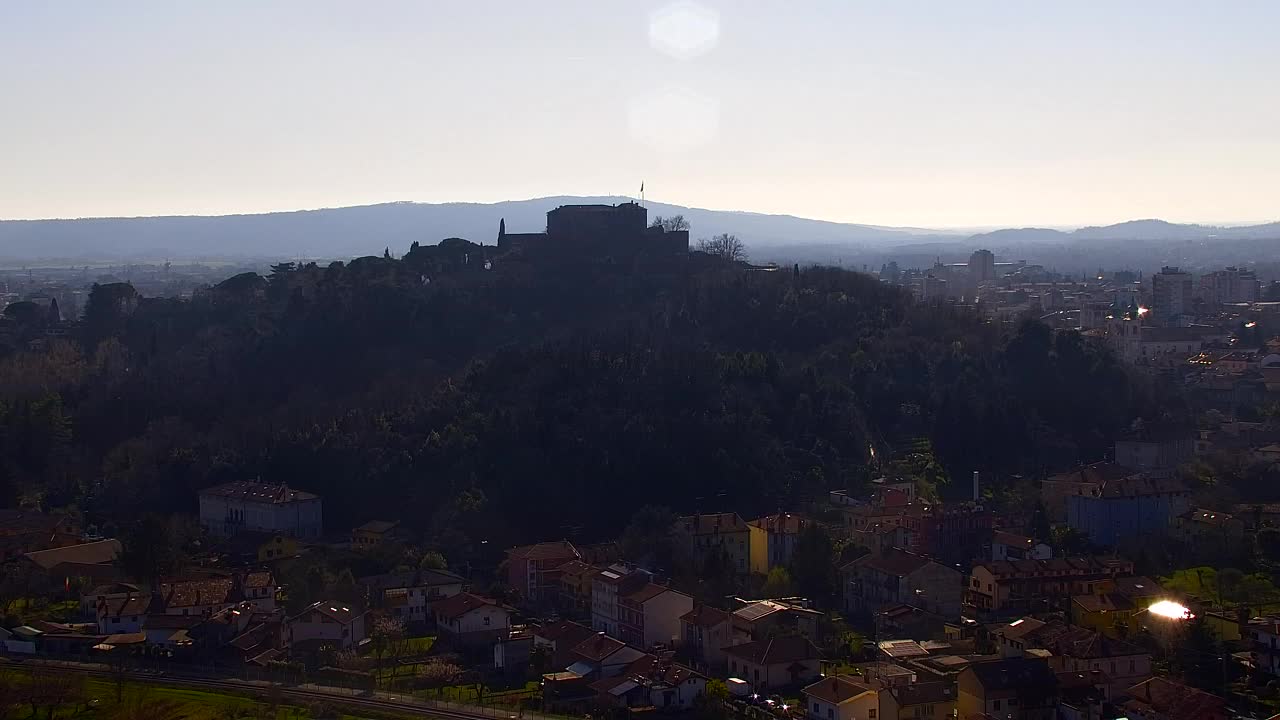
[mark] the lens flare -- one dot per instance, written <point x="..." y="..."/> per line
<point x="1170" y="609"/>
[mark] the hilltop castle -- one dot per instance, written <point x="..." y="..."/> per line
<point x="597" y="230"/>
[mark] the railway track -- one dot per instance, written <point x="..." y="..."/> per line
<point x="384" y="704"/>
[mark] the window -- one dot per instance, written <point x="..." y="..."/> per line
<point x="830" y="713"/>
<point x="815" y="708"/>
<point x="486" y="620"/>
<point x="871" y="714"/>
<point x="995" y="705"/>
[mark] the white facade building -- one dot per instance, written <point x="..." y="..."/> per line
<point x="237" y="506"/>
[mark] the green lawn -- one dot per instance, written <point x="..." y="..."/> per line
<point x="420" y="645"/>
<point x="64" y="611"/>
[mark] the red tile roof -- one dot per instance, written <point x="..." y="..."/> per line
<point x="775" y="651"/>
<point x="545" y="551"/>
<point x="1174" y="701"/>
<point x="460" y="604"/>
<point x="893" y="561"/>
<point x="598" y="647"/>
<point x="705" y="616"/>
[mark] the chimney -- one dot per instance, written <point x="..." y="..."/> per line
<point x="975" y="486"/>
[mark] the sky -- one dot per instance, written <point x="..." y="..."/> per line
<point x="924" y="113"/>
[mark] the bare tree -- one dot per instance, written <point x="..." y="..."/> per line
<point x="724" y="245"/>
<point x="670" y="224"/>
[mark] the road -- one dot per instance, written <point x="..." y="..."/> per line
<point x="376" y="701"/>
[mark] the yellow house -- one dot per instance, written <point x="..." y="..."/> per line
<point x="277" y="547"/>
<point x="1110" y="614"/>
<point x="773" y="540"/>
<point x="372" y="534"/>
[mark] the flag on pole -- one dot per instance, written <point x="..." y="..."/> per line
<point x="641" y="187"/>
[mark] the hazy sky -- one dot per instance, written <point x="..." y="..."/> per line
<point x="896" y="112"/>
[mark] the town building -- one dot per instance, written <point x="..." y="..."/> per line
<point x="778" y="662"/>
<point x="409" y="596"/>
<point x="607" y="587"/>
<point x="533" y="570"/>
<point x="1172" y="293"/>
<point x="233" y="507"/>
<point x="376" y="533"/>
<point x="705" y="633"/>
<point x="650" y="615"/>
<point x="1008" y="546"/>
<point x="1153" y="451"/>
<point x="761" y="619"/>
<point x="1127" y="508"/>
<point x="1086" y="481"/>
<point x="917" y="701"/>
<point x="840" y="698"/>
<point x="327" y="622"/>
<point x="1009" y="689"/>
<point x="1201" y="527"/>
<point x="899" y="577"/>
<point x="558" y="639"/>
<point x="597" y="231"/>
<point x="24" y="531"/>
<point x="92" y="562"/>
<point x="1163" y="699"/>
<point x="1232" y="285"/>
<point x="652" y="682"/>
<point x="471" y="621"/>
<point x="601" y="656"/>
<point x="773" y="540"/>
<point x="576" y="580"/>
<point x="724" y="534"/>
<point x="1004" y="587"/>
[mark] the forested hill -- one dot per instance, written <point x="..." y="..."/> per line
<point x="527" y="402"/>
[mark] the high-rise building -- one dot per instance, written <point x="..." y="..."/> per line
<point x="1232" y="285"/>
<point x="982" y="266"/>
<point x="1171" y="291"/>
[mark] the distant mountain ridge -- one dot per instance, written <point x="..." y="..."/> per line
<point x="366" y="230"/>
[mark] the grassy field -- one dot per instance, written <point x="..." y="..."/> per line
<point x="94" y="699"/>
<point x="64" y="611"/>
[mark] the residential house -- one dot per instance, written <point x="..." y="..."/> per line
<point x="1163" y="699"/>
<point x="773" y="540"/>
<point x="650" y="615"/>
<point x="206" y="596"/>
<point x="601" y="656"/>
<point x="840" y="698"/>
<point x="954" y="533"/>
<point x="558" y="639"/>
<point x="170" y="632"/>
<point x="1082" y="695"/>
<point x="376" y="533"/>
<point x="899" y="577"/>
<point x="410" y="595"/>
<point x="1208" y="527"/>
<point x="533" y="570"/>
<point x="92" y="598"/>
<point x="775" y="663"/>
<point x="607" y="586"/>
<point x="1072" y="648"/>
<point x="1155" y="451"/>
<point x="122" y="615"/>
<point x="652" y="682"/>
<point x="1114" y="606"/>
<point x="705" y="633"/>
<point x="1127" y="508"/>
<point x="879" y="538"/>
<point x="1013" y="586"/>
<point x="92" y="562"/>
<point x="1009" y="689"/>
<point x="234" y="507"/>
<point x="918" y="701"/>
<point x="24" y="531"/>
<point x="1264" y="633"/>
<point x="762" y="619"/>
<point x="717" y="533"/>
<point x="251" y="547"/>
<point x="327" y="622"/>
<point x="1086" y="481"/>
<point x="908" y="621"/>
<point x="471" y="621"/>
<point x="1008" y="546"/>
<point x="576" y="579"/>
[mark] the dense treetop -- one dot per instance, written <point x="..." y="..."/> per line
<point x="528" y="401"/>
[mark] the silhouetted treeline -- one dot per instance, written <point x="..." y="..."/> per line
<point x="523" y="402"/>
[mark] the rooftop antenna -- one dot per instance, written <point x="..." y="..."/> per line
<point x="642" y="194"/>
